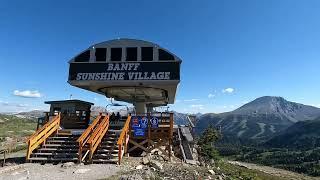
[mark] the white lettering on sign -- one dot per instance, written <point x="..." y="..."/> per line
<point x="123" y="71"/>
<point x="123" y="66"/>
<point x="121" y="76"/>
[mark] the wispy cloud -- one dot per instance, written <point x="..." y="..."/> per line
<point x="4" y="103"/>
<point x="190" y="100"/>
<point x="198" y="106"/>
<point x="228" y="90"/>
<point x="22" y="105"/>
<point x="27" y="94"/>
<point x="211" y="95"/>
<point x="13" y="104"/>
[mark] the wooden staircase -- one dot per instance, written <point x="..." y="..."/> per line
<point x="107" y="151"/>
<point x="99" y="143"/>
<point x="61" y="147"/>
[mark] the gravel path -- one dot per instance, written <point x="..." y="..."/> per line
<point x="274" y="171"/>
<point x="56" y="172"/>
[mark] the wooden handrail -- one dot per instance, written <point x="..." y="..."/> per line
<point x="97" y="135"/>
<point x="42" y="134"/>
<point x="123" y="138"/>
<point x="85" y="136"/>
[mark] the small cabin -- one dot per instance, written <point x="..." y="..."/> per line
<point x="75" y="114"/>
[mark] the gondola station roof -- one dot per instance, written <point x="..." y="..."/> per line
<point x="128" y="70"/>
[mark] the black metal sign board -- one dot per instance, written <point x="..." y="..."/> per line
<point x="124" y="71"/>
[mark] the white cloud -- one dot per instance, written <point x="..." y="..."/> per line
<point x="211" y="95"/>
<point x="22" y="105"/>
<point x="228" y="90"/>
<point x="4" y="103"/>
<point x="27" y="93"/>
<point x="190" y="100"/>
<point x="197" y="106"/>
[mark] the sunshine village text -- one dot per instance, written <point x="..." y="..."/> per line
<point x="124" y="71"/>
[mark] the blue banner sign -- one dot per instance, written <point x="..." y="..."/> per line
<point x="139" y="132"/>
<point x="154" y="122"/>
<point x="135" y="122"/>
<point x="143" y="121"/>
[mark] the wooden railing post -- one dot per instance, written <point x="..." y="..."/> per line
<point x="41" y="135"/>
<point x="97" y="135"/>
<point x="119" y="153"/>
<point x="122" y="140"/>
<point x="85" y="136"/>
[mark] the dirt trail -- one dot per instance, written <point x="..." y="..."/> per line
<point x="274" y="171"/>
<point x="56" y="172"/>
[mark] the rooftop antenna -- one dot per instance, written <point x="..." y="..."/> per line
<point x="70" y="96"/>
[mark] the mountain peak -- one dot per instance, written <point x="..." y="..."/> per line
<point x="278" y="106"/>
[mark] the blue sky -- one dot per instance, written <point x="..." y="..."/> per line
<point x="232" y="51"/>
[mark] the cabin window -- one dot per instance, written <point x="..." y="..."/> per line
<point x="101" y="54"/>
<point x="147" y="53"/>
<point x="116" y="54"/>
<point x="132" y="54"/>
<point x="83" y="57"/>
<point x="164" y="55"/>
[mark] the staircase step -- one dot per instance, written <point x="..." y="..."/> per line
<point x="107" y="151"/>
<point x="102" y="161"/>
<point x="55" y="154"/>
<point x="108" y="156"/>
<point x="108" y="142"/>
<point x="60" y="145"/>
<point x="107" y="147"/>
<point x="61" y="141"/>
<point x="58" y="150"/>
<point x="52" y="159"/>
<point x="62" y="138"/>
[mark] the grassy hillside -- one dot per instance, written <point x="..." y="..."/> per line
<point x="14" y="131"/>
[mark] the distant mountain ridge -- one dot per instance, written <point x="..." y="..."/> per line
<point x="301" y="135"/>
<point x="260" y="119"/>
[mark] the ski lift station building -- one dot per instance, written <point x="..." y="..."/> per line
<point x="130" y="70"/>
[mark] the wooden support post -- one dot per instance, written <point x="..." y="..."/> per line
<point x="149" y="130"/>
<point x="119" y="154"/>
<point x="169" y="148"/>
<point x="4" y="158"/>
<point x="171" y="126"/>
<point x="125" y="143"/>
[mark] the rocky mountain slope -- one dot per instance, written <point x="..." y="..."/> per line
<point x="31" y="114"/>
<point x="259" y="119"/>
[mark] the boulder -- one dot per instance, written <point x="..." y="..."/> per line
<point x="145" y="160"/>
<point x="156" y="164"/>
<point x="139" y="167"/>
<point x="212" y="172"/>
<point x="67" y="164"/>
<point x="143" y="154"/>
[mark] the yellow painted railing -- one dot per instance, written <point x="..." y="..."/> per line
<point x="42" y="134"/>
<point x="84" y="138"/>
<point x="123" y="139"/>
<point x="97" y="135"/>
